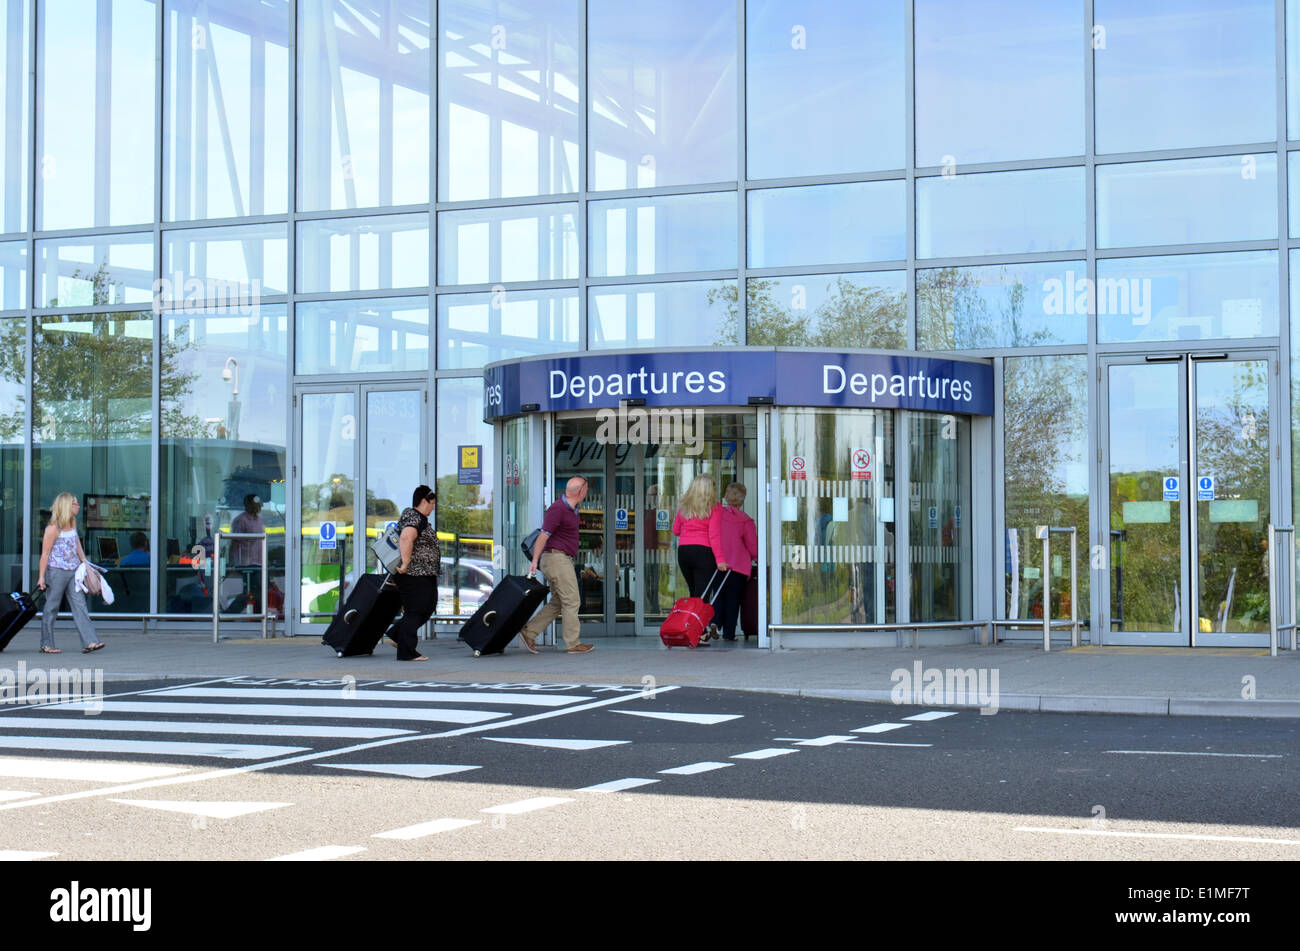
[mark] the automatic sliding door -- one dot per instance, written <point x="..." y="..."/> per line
<point x="328" y="484"/>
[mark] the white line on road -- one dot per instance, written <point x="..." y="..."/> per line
<point x="322" y="854"/>
<point x="79" y="744"/>
<point x="932" y="715"/>
<point x="7" y="795"/>
<point x="881" y="727"/>
<point x="763" y="754"/>
<point x="409" y="770"/>
<point x="82" y="770"/>
<point x="210" y="810"/>
<point x="526" y="805"/>
<point x="558" y="744"/>
<point x="309" y="757"/>
<point x="127" y="693"/>
<point x="101" y="725"/>
<point x="618" y="785"/>
<point x="1162" y="835"/>
<point x="406" y="696"/>
<point x="694" y="768"/>
<point x="705" y="718"/>
<point x="815" y="741"/>
<point x="293" y="710"/>
<point x="1194" y="753"/>
<point x="426" y="828"/>
<point x="15" y="855"/>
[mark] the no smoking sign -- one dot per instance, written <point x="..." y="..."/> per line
<point x="798" y="467"/>
<point x="861" y="465"/>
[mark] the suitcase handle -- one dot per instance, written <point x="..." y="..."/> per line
<point x="705" y="592"/>
<point x="489" y="618"/>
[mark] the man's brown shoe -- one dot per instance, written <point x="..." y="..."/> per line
<point x="581" y="649"/>
<point x="529" y="642"/>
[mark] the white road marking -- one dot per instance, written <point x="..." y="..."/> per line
<point x="402" y="696"/>
<point x="694" y="768"/>
<point x="932" y="715"/>
<point x="147" y="747"/>
<point x="880" y="743"/>
<point x="881" y="727"/>
<point x="427" y="828"/>
<point x="763" y="754"/>
<point x="101" y="725"/>
<point x="559" y="744"/>
<point x="1181" y="753"/>
<point x="9" y="796"/>
<point x="292" y="710"/>
<point x="15" y="855"/>
<point x="705" y="718"/>
<point x="816" y="741"/>
<point x="618" y="785"/>
<point x="80" y="769"/>
<point x="309" y="757"/>
<point x="526" y="805"/>
<point x="322" y="854"/>
<point x="1162" y="835"/>
<point x="211" y="810"/>
<point x="410" y="770"/>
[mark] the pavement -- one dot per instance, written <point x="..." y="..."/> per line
<point x="1160" y="681"/>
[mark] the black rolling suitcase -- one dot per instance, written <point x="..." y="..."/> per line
<point x="507" y="609"/>
<point x="367" y="614"/>
<point x="16" y="609"/>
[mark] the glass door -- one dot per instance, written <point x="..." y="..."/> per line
<point x="360" y="454"/>
<point x="1188" y="457"/>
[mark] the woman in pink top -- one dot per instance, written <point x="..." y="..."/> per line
<point x="691" y="526"/>
<point x="734" y="540"/>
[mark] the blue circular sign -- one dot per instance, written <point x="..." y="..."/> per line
<point x="1171" y="483"/>
<point x="327" y="531"/>
<point x="1206" y="482"/>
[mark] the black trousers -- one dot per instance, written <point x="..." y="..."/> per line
<point x="419" y="594"/>
<point x="698" y="565"/>
<point x="727" y="607"/>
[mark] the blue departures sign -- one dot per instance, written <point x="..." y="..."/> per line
<point x="734" y="377"/>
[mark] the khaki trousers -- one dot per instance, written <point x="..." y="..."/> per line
<point x="564" y="600"/>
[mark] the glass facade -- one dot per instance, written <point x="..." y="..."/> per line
<point x="232" y="205"/>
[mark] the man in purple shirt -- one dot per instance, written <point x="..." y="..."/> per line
<point x="555" y="549"/>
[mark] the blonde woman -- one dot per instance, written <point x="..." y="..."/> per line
<point x="698" y="507"/>
<point x="61" y="555"/>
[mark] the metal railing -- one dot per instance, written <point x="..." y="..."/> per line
<point x="1045" y="532"/>
<point x="217" y="579"/>
<point x="1273" y="613"/>
<point x="916" y="626"/>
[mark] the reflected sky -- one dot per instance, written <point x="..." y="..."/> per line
<point x="662" y="235"/>
<point x="828" y="224"/>
<point x="1000" y="213"/>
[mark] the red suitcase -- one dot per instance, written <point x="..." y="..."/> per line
<point x="689" y="618"/>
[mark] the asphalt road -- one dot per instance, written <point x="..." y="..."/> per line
<point x="251" y="769"/>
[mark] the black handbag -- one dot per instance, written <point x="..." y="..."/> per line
<point x="529" y="541"/>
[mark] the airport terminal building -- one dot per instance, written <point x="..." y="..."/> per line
<point x="923" y="275"/>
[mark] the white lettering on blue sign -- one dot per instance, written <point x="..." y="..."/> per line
<point x="934" y="517"/>
<point x="956" y="516"/>
<point x="328" y="535"/>
<point x="1171" y="489"/>
<point x="1205" y="489"/>
<point x="661" y="520"/>
<point x="620" y="519"/>
<point x="913" y="386"/>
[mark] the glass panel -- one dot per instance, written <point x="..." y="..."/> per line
<point x="1000" y="213"/>
<point x="1001" y="305"/>
<point x="577" y="453"/>
<point x="1187" y="297"/>
<point x="520" y="487"/>
<point x="15" y="70"/>
<point x="95" y="123"/>
<point x="1294" y="261"/>
<point x="1045" y="434"/>
<point x="226" y="109"/>
<point x="1232" y="448"/>
<point x="1227" y="198"/>
<point x="824" y="88"/>
<point x="90" y="272"/>
<point x="92" y="385"/>
<point x="663" y="93"/>
<point x="1145" y="531"/>
<point x="837" y="530"/>
<point x="940" y="522"/>
<point x="836" y="311"/>
<point x="329" y="485"/>
<point x="1293" y="187"/>
<point x="362" y="336"/>
<point x="687" y="314"/>
<point x="828" y="224"/>
<point x="507" y="98"/>
<point x="1183" y="73"/>
<point x="363" y="254"/>
<point x="213" y="456"/>
<point x="464" y="511"/>
<point x="13" y="421"/>
<point x="478" y="329"/>
<point x="363" y="106"/>
<point x="394" y="425"/>
<point x="663" y="235"/>
<point x="215" y="264"/>
<point x="998" y="81"/>
<point x="487" y="245"/>
<point x="1293" y="69"/>
<point x="13" y="275"/>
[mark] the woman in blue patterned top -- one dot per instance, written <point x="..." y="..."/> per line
<point x="61" y="556"/>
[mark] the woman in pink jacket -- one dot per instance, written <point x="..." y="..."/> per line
<point x="734" y="540"/>
<point x="699" y="506"/>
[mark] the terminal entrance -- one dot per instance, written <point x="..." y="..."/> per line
<point x="627" y="560"/>
<point x="1189" y="465"/>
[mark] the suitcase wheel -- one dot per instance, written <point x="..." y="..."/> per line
<point x="340" y="653"/>
<point x="478" y="653"/>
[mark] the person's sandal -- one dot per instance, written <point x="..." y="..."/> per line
<point x="51" y="650"/>
<point x="94" y="647"/>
